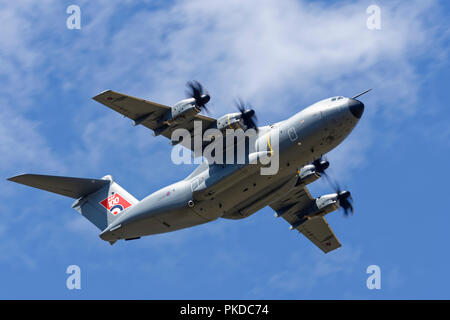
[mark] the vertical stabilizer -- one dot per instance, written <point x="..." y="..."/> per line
<point x="105" y="205"/>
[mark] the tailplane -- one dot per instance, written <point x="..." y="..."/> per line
<point x="101" y="201"/>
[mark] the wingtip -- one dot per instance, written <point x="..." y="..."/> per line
<point x="101" y="93"/>
<point x="16" y="178"/>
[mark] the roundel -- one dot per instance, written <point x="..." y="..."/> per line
<point x="115" y="203"/>
<point x="116" y="209"/>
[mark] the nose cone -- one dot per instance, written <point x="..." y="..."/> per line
<point x="356" y="108"/>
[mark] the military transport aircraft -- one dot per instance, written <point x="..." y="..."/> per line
<point x="220" y="190"/>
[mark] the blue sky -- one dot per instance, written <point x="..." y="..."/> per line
<point x="281" y="56"/>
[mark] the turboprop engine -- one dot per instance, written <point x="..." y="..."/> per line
<point x="187" y="109"/>
<point x="312" y="172"/>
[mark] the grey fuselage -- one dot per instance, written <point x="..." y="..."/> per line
<point x="234" y="191"/>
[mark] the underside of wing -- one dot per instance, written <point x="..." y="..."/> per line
<point x="319" y="232"/>
<point x="188" y="125"/>
<point x="296" y="200"/>
<point x="151" y="114"/>
<point x="139" y="110"/>
<point x="299" y="209"/>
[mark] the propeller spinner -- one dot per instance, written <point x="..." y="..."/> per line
<point x="345" y="201"/>
<point x="343" y="196"/>
<point x="248" y="115"/>
<point x="195" y="90"/>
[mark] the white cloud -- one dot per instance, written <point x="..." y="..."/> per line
<point x="22" y="146"/>
<point x="280" y="55"/>
<point x="266" y="51"/>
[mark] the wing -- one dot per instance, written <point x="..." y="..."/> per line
<point x="319" y="232"/>
<point x="148" y="113"/>
<point x="293" y="207"/>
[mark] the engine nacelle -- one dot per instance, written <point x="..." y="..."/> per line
<point x="321" y="206"/>
<point x="308" y="174"/>
<point x="327" y="203"/>
<point x="229" y="121"/>
<point x="182" y="111"/>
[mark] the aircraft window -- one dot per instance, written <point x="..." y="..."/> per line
<point x="340" y="98"/>
<point x="333" y="99"/>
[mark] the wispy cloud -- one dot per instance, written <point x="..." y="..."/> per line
<point x="284" y="54"/>
<point x="281" y="56"/>
<point x="299" y="275"/>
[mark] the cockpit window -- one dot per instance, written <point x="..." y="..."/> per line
<point x="340" y="98"/>
<point x="333" y="99"/>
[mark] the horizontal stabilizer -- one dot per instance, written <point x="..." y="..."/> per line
<point x="66" y="186"/>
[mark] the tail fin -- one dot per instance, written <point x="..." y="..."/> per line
<point x="106" y="204"/>
<point x="100" y="201"/>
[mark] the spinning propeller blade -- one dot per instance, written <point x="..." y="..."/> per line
<point x="195" y="90"/>
<point x="248" y="115"/>
<point x="343" y="196"/>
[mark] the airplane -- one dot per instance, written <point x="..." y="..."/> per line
<point x="218" y="190"/>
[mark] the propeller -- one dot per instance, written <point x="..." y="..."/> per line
<point x="345" y="201"/>
<point x="196" y="91"/>
<point x="248" y="115"/>
<point x="343" y="196"/>
<point x="321" y="165"/>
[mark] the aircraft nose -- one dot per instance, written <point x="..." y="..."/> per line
<point x="356" y="107"/>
